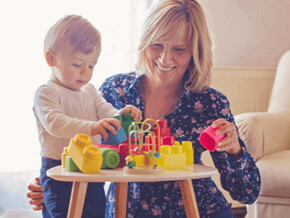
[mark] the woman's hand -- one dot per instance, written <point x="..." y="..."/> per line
<point x="35" y="194"/>
<point x="230" y="142"/>
<point x="135" y="112"/>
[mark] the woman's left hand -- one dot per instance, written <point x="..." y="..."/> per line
<point x="230" y="142"/>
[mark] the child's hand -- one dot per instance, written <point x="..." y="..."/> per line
<point x="104" y="125"/>
<point x="135" y="112"/>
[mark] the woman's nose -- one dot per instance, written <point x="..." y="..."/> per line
<point x="165" y="57"/>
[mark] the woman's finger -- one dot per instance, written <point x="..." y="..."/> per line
<point x="34" y="195"/>
<point x="36" y="201"/>
<point x="38" y="207"/>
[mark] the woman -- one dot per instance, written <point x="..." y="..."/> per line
<point x="172" y="82"/>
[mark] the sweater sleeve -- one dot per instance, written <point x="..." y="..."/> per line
<point x="50" y="115"/>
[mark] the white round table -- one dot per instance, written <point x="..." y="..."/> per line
<point x="80" y="182"/>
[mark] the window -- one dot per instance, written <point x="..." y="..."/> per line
<point x="23" y="27"/>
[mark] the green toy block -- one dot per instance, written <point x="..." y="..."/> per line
<point x="70" y="164"/>
<point x="118" y="117"/>
<point x="126" y="120"/>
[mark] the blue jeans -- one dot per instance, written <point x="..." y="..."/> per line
<point x="57" y="195"/>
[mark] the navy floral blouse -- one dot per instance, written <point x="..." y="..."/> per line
<point x="194" y="112"/>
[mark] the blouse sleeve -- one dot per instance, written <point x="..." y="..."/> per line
<point x="108" y="91"/>
<point x="104" y="108"/>
<point x="239" y="174"/>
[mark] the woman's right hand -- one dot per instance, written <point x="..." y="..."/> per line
<point x="35" y="194"/>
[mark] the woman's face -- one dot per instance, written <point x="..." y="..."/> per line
<point x="169" y="60"/>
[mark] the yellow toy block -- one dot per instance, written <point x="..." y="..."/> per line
<point x="187" y="149"/>
<point x="143" y="160"/>
<point x="63" y="156"/>
<point x="139" y="160"/>
<point x="171" y="157"/>
<point x="86" y="156"/>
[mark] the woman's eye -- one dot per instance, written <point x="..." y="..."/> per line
<point x="76" y="65"/>
<point x="180" y="49"/>
<point x="91" y="67"/>
<point x="157" y="45"/>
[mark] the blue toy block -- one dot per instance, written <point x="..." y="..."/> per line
<point x="116" y="139"/>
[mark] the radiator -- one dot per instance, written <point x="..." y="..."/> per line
<point x="248" y="89"/>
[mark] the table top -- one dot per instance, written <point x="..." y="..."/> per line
<point x="195" y="171"/>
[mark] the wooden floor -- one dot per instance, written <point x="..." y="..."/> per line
<point x="239" y="212"/>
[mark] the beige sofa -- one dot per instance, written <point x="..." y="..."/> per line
<point x="267" y="137"/>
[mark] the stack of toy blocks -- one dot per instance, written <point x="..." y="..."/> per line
<point x="165" y="133"/>
<point x="175" y="157"/>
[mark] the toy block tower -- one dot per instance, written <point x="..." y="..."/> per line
<point x="166" y="138"/>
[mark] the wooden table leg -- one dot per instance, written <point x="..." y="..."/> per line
<point x="121" y="199"/>
<point x="77" y="199"/>
<point x="188" y="198"/>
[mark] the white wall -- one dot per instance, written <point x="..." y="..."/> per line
<point x="252" y="33"/>
<point x="23" y="25"/>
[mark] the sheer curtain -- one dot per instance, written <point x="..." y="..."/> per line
<point x="23" y="26"/>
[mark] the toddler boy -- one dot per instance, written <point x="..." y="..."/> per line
<point x="68" y="104"/>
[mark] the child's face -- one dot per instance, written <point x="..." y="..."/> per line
<point x="73" y="69"/>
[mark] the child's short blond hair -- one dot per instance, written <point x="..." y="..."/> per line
<point x="75" y="31"/>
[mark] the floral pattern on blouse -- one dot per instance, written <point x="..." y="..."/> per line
<point x="194" y="112"/>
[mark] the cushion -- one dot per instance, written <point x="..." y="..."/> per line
<point x="275" y="174"/>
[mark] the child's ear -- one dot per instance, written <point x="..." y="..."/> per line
<point x="50" y="58"/>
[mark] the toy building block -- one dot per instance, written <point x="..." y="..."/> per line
<point x="86" y="156"/>
<point x="107" y="146"/>
<point x="165" y="131"/>
<point x="70" y="164"/>
<point x="123" y="150"/>
<point x="167" y="140"/>
<point x="188" y="150"/>
<point x="139" y="160"/>
<point x="116" y="139"/>
<point x="111" y="158"/>
<point x="63" y="156"/>
<point x="171" y="157"/>
<point x="126" y="120"/>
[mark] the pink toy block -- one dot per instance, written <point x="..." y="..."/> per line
<point x="208" y="139"/>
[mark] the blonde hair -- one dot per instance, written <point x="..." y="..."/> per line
<point x="165" y="19"/>
<point x="75" y="31"/>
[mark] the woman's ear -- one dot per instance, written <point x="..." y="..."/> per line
<point x="50" y="58"/>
